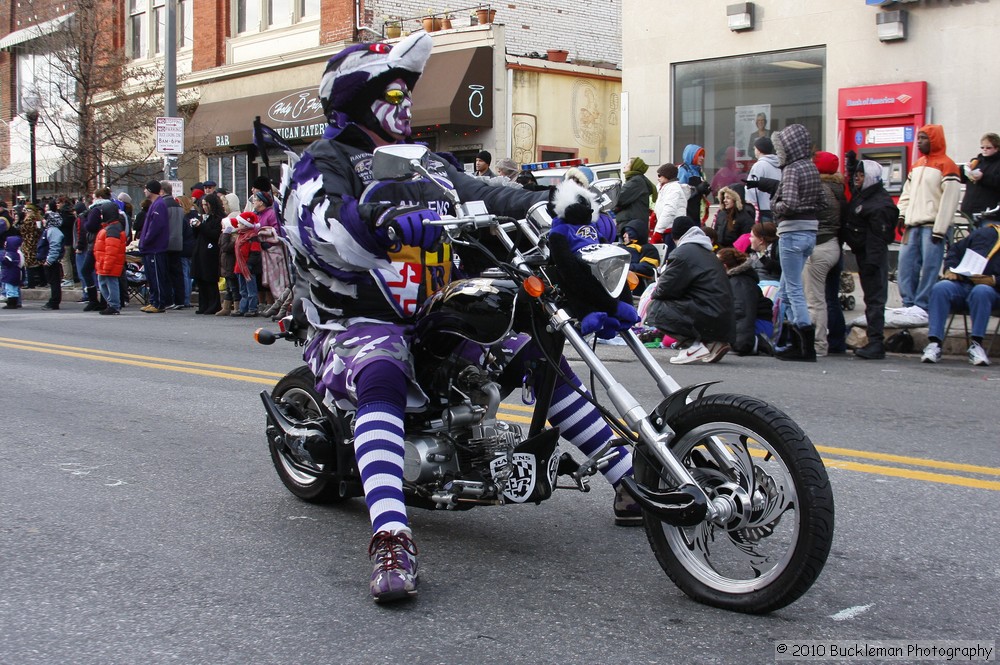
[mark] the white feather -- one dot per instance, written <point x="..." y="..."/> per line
<point x="569" y="192"/>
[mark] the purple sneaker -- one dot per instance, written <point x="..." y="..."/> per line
<point x="395" y="574"/>
<point x="627" y="511"/>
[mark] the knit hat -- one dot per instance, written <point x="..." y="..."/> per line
<point x="682" y="225"/>
<point x="587" y="172"/>
<point x="668" y="171"/>
<point x="485" y="156"/>
<point x="197" y="185"/>
<point x="124" y="198"/>
<point x="358" y="75"/>
<point x="507" y="164"/>
<point x="153" y="186"/>
<point x="264" y="197"/>
<point x="638" y="165"/>
<point x="826" y="162"/>
<point x="262" y="182"/>
<point x="765" y="145"/>
<point x="245" y="220"/>
<point x="232" y="202"/>
<point x="197" y="193"/>
<point x="229" y="225"/>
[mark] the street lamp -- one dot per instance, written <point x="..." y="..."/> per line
<point x="31" y="115"/>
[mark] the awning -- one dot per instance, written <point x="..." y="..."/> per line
<point x="296" y="115"/>
<point x="456" y="88"/>
<point x="20" y="173"/>
<point x="34" y="31"/>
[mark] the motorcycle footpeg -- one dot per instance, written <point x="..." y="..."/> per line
<point x="570" y="467"/>
<point x="683" y="506"/>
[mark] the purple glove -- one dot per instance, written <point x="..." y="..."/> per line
<point x="404" y="225"/>
<point x="626" y="315"/>
<point x="606" y="229"/>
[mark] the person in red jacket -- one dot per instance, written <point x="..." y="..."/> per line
<point x="109" y="258"/>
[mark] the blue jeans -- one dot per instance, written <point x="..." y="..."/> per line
<point x="919" y="266"/>
<point x="248" y="294"/>
<point x="110" y="290"/>
<point x="11" y="290"/>
<point x="794" y="247"/>
<point x="87" y="279"/>
<point x="186" y="268"/>
<point x="947" y="295"/>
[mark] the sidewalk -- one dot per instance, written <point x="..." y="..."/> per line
<point x="954" y="345"/>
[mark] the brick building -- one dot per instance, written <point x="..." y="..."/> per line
<point x="486" y="86"/>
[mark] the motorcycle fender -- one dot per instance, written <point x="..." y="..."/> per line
<point x="673" y="403"/>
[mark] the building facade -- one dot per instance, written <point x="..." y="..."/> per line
<point x="861" y="75"/>
<point x="487" y="86"/>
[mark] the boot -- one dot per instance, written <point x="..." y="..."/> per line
<point x="792" y="350"/>
<point x="808" y="335"/>
<point x="227" y="308"/>
<point x="12" y="303"/>
<point x="803" y="347"/>
<point x="272" y="310"/>
<point x="874" y="350"/>
<point x="93" y="302"/>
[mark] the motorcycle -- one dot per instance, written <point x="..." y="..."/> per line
<point x="737" y="506"/>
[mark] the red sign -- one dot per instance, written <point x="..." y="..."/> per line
<point x="873" y="101"/>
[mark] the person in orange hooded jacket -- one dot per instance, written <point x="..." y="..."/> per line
<point x="109" y="257"/>
<point x="926" y="210"/>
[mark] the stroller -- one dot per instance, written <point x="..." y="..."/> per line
<point x="135" y="275"/>
<point x="847" y="302"/>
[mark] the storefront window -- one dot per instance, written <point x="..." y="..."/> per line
<point x="230" y="173"/>
<point x="723" y="105"/>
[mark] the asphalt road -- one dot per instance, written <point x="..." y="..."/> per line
<point x="141" y="520"/>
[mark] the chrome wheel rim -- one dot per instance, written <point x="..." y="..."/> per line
<point x="309" y="409"/>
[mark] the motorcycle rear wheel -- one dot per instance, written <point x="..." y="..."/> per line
<point x="769" y="552"/>
<point x="296" y="393"/>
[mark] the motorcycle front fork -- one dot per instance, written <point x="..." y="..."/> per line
<point x="635" y="417"/>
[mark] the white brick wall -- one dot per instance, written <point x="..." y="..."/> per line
<point x="588" y="30"/>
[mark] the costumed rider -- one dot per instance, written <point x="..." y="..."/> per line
<point x="360" y="289"/>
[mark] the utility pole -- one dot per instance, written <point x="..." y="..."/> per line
<point x="170" y="82"/>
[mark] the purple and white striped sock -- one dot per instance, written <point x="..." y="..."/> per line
<point x="378" y="446"/>
<point x="581" y="424"/>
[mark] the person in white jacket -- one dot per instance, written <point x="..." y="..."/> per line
<point x="766" y="166"/>
<point x="671" y="202"/>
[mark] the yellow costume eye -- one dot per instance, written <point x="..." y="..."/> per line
<point x="394" y="97"/>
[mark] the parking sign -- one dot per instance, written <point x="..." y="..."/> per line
<point x="170" y="136"/>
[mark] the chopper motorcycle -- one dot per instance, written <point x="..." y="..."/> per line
<point x="737" y="506"/>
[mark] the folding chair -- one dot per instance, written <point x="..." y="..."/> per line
<point x="964" y="312"/>
<point x="135" y="276"/>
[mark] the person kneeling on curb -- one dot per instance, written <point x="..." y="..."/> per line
<point x="692" y="301"/>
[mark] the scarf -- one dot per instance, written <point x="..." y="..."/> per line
<point x="246" y="242"/>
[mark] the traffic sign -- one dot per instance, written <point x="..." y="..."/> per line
<point x="170" y="135"/>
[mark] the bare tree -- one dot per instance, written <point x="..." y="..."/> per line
<point x="97" y="106"/>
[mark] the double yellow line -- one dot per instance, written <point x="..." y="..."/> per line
<point x="883" y="464"/>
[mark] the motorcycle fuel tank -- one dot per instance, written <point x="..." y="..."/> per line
<point x="479" y="309"/>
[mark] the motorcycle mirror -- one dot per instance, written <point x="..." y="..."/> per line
<point x="608" y="190"/>
<point x="395" y="162"/>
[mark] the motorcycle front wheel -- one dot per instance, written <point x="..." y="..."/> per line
<point x="296" y="395"/>
<point x="771" y="546"/>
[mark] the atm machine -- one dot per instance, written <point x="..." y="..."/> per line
<point x="880" y="123"/>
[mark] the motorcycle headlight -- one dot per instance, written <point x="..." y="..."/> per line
<point x="609" y="264"/>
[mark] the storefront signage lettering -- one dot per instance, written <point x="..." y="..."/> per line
<point x="222" y="140"/>
<point x="297" y="107"/>
<point x="301" y="131"/>
<point x="872" y="101"/>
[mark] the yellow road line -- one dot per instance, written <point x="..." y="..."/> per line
<point x="912" y="461"/>
<point x="136" y="363"/>
<point x="912" y="474"/>
<point x="89" y="353"/>
<point x="268" y="378"/>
